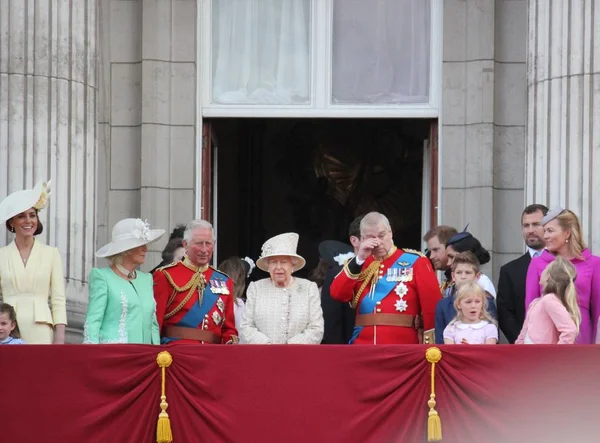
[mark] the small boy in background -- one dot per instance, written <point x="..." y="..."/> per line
<point x="465" y="268"/>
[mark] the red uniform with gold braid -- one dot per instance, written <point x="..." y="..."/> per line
<point x="394" y="297"/>
<point x="194" y="305"/>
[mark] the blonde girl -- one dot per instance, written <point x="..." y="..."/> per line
<point x="555" y="317"/>
<point x="473" y="324"/>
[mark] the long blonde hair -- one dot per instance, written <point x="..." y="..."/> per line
<point x="568" y="221"/>
<point x="472" y="288"/>
<point x="561" y="276"/>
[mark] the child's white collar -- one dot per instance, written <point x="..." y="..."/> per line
<point x="479" y="325"/>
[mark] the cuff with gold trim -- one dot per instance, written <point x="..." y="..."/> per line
<point x="233" y="341"/>
<point x="429" y="337"/>
<point x="352" y="269"/>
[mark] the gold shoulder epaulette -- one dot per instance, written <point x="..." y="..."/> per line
<point x="414" y="251"/>
<point x="169" y="278"/>
<point x="170" y="265"/>
<point x="220" y="272"/>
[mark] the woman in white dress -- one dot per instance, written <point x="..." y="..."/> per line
<point x="31" y="273"/>
<point x="282" y="309"/>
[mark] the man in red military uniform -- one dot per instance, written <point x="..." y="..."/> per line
<point x="194" y="301"/>
<point x="394" y="290"/>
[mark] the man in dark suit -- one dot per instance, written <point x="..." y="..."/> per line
<point x="511" y="285"/>
<point x="338" y="317"/>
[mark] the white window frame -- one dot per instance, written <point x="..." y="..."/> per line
<point x="320" y="105"/>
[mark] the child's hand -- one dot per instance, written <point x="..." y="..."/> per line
<point x="464" y="341"/>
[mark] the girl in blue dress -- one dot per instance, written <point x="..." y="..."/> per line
<point x="9" y="329"/>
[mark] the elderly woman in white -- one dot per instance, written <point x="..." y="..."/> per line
<point x="282" y="309"/>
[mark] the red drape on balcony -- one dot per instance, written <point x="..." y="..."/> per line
<point x="111" y="393"/>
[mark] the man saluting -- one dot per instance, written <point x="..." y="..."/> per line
<point x="392" y="289"/>
<point x="194" y="302"/>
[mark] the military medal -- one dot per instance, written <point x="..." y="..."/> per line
<point x="221" y="305"/>
<point x="401" y="290"/>
<point x="217" y="318"/>
<point x="401" y="275"/>
<point x="218" y="287"/>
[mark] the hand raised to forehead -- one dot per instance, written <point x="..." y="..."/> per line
<point x="366" y="247"/>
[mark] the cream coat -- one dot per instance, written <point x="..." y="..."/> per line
<point x="28" y="289"/>
<point x="278" y="316"/>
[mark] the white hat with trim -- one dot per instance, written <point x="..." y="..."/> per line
<point x="281" y="245"/>
<point x="21" y="201"/>
<point x="127" y="234"/>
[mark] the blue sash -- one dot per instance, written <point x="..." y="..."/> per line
<point x="382" y="288"/>
<point x="195" y="315"/>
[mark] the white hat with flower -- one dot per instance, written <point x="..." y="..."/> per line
<point x="281" y="245"/>
<point x="127" y="234"/>
<point x="21" y="201"/>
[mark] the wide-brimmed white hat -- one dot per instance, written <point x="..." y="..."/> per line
<point x="127" y="234"/>
<point x="21" y="201"/>
<point x="282" y="244"/>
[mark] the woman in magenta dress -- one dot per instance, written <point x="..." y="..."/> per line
<point x="562" y="233"/>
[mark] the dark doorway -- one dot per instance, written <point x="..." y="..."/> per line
<point x="313" y="177"/>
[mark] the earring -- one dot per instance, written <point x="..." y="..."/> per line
<point x="11" y="228"/>
<point x="567" y="240"/>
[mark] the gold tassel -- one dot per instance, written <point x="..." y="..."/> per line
<point x="434" y="423"/>
<point x="163" y="428"/>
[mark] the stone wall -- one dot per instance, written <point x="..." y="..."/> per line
<point x="483" y="122"/>
<point x="147" y="125"/>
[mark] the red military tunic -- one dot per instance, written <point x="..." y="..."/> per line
<point x="191" y="300"/>
<point x="416" y="297"/>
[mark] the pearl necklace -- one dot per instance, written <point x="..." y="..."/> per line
<point x="131" y="275"/>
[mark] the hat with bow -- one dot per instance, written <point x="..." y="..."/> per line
<point x="128" y="234"/>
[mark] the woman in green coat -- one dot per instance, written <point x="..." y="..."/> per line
<point x="122" y="307"/>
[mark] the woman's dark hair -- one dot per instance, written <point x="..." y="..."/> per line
<point x="317" y="275"/>
<point x="169" y="251"/>
<point x="5" y="308"/>
<point x="235" y="269"/>
<point x="177" y="232"/>
<point x="464" y="241"/>
<point x="38" y="231"/>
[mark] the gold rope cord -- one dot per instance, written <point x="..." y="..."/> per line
<point x="197" y="282"/>
<point x="163" y="427"/>
<point x="367" y="275"/>
<point x="434" y="423"/>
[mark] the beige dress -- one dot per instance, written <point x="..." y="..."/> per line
<point x="29" y="288"/>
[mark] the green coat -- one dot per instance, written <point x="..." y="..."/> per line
<point x="120" y="311"/>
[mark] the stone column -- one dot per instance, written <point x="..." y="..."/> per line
<point x="563" y="132"/>
<point x="467" y="120"/>
<point x="168" y="111"/>
<point x="48" y="125"/>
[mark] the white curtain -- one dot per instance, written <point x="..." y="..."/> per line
<point x="261" y="51"/>
<point x="381" y="51"/>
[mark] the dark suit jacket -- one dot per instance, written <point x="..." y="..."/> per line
<point x="338" y="317"/>
<point x="511" y="296"/>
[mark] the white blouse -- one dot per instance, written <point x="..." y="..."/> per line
<point x="291" y="315"/>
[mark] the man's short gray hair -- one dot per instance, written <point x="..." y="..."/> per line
<point x="196" y="224"/>
<point x="374" y="219"/>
